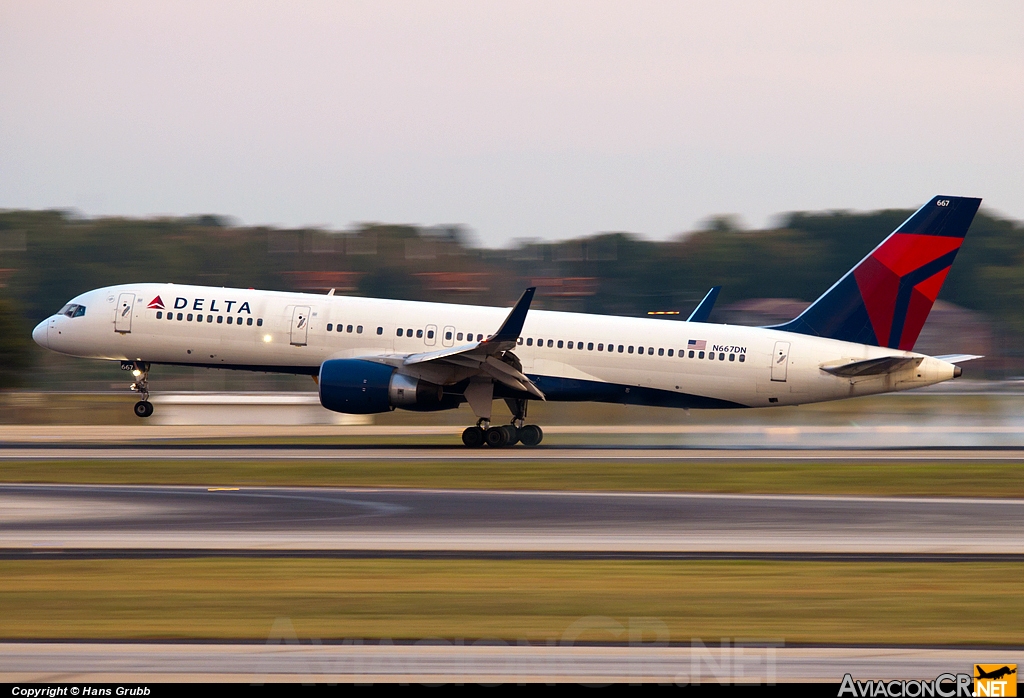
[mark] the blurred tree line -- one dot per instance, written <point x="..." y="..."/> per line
<point x="47" y="257"/>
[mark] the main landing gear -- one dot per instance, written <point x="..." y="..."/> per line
<point x="507" y="434"/>
<point x="140" y="369"/>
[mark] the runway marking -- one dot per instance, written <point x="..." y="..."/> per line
<point x="222" y="489"/>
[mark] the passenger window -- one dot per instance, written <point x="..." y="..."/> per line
<point x="330" y="326"/>
<point x="600" y="347"/>
<point x="259" y="321"/>
<point x="380" y="330"/>
<point x="570" y="345"/>
<point x="579" y="346"/>
<point x="349" y="329"/>
<point x="430" y="334"/>
<point x="249" y="322"/>
<point x="220" y="319"/>
<point x="199" y="318"/>
<point x="458" y="337"/>
<point x="189" y="317"/>
<point x="479" y="338"/>
<point x="732" y="357"/>
<point x="742" y="357"/>
<point x="159" y="315"/>
<point x="630" y="350"/>
<point x="448" y="336"/>
<point x="590" y="346"/>
<point x="620" y="349"/>
<point x="408" y="333"/>
<point x="400" y="331"/>
<point x="559" y="344"/>
<point x="550" y="342"/>
<point x="179" y="316"/>
<point x="419" y="334"/>
<point x="359" y="329"/>
<point x="529" y="341"/>
<point x="671" y="351"/>
<point x="661" y="352"/>
<point x="721" y="357"/>
<point x="519" y="341"/>
<point x="229" y="319"/>
<point x="209" y="318"/>
<point x="691" y="354"/>
<point x="700" y="354"/>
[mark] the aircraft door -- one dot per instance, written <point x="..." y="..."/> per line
<point x="431" y="337"/>
<point x="780" y="361"/>
<point x="123" y="319"/>
<point x="300" y="325"/>
<point x="448" y="336"/>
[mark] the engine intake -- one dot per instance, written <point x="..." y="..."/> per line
<point x="355" y="386"/>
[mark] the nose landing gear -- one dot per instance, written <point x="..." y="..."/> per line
<point x="140" y="369"/>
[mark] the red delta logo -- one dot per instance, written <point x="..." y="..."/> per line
<point x="156" y="304"/>
<point x="900" y="281"/>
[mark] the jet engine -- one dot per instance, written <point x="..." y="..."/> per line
<point x="355" y="386"/>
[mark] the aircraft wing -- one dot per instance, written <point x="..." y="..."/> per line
<point x="481" y="358"/>
<point x="703" y="309"/>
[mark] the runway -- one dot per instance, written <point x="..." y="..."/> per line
<point x="462" y="454"/>
<point x="47" y="517"/>
<point x="283" y="659"/>
<point x="948" y="432"/>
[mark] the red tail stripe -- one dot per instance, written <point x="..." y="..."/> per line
<point x="904" y="253"/>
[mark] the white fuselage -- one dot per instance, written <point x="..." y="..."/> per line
<point x="295" y="332"/>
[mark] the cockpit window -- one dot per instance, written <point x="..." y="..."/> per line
<point x="72" y="310"/>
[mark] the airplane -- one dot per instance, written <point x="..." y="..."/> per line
<point x="996" y="674"/>
<point x="371" y="355"/>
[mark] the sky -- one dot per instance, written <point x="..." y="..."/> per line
<point x="519" y="119"/>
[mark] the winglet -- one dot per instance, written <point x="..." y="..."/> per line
<point x="703" y="310"/>
<point x="513" y="325"/>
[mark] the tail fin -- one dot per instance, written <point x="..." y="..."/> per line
<point x="885" y="299"/>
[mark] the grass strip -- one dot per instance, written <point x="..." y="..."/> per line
<point x="928" y="478"/>
<point x="536" y="601"/>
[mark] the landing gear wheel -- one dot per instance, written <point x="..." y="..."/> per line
<point x="530" y="435"/>
<point x="143" y="408"/>
<point x="473" y="437"/>
<point x="513" y="434"/>
<point x="496" y="437"/>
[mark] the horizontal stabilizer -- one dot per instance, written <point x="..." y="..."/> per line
<point x="873" y="367"/>
<point x="703" y="311"/>
<point x="958" y="358"/>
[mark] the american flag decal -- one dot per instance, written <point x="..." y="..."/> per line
<point x="698" y="344"/>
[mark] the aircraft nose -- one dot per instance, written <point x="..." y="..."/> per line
<point x="39" y="334"/>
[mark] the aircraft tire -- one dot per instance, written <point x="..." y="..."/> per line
<point x="143" y="408"/>
<point x="473" y="437"/>
<point x="531" y="435"/>
<point x="513" y="434"/>
<point x="496" y="437"/>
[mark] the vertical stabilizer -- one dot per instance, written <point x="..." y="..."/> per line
<point x="886" y="298"/>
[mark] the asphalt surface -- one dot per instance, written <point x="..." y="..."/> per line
<point x="47" y="517"/>
<point x="462" y="454"/>
<point x="282" y="658"/>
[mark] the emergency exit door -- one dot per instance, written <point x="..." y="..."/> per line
<point x="300" y="325"/>
<point x="123" y="319"/>
<point x="780" y="361"/>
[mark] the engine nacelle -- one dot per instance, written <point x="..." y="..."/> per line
<point x="355" y="386"/>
